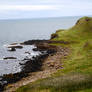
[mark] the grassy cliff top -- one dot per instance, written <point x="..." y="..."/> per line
<point x="77" y="66"/>
<point x="80" y="38"/>
<point x="82" y="30"/>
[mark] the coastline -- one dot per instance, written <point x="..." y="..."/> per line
<point x="40" y="65"/>
<point x="48" y="67"/>
<point x="71" y="62"/>
<point x="31" y="65"/>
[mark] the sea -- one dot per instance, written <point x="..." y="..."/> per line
<point x="20" y="30"/>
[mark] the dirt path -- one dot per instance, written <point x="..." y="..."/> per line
<point x="50" y="65"/>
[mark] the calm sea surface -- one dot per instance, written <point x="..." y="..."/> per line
<point x="21" y="30"/>
<point x="27" y="29"/>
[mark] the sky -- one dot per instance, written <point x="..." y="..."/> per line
<point x="18" y="9"/>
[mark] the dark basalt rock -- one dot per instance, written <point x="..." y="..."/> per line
<point x="9" y="58"/>
<point x="15" y="46"/>
<point x="35" y="49"/>
<point x="32" y="42"/>
<point x="12" y="49"/>
<point x="38" y="42"/>
<point x="27" y="52"/>
<point x="31" y="65"/>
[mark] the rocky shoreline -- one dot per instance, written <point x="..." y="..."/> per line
<point x="50" y="65"/>
<point x="31" y="65"/>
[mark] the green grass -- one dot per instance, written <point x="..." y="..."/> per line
<point x="78" y="63"/>
<point x="68" y="83"/>
<point x="86" y="90"/>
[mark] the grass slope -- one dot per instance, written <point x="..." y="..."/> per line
<point x="77" y="73"/>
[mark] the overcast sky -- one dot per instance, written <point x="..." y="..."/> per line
<point x="12" y="9"/>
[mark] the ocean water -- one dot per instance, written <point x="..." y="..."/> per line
<point x="26" y="29"/>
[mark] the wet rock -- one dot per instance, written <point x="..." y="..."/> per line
<point x="8" y="75"/>
<point x="12" y="49"/>
<point x="25" y="59"/>
<point x="35" y="49"/>
<point x="27" y="52"/>
<point x="9" y="58"/>
<point x="15" y="46"/>
<point x="37" y="42"/>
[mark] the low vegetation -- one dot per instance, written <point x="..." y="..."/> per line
<point x="77" y="73"/>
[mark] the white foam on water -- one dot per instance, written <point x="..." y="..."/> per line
<point x="13" y="65"/>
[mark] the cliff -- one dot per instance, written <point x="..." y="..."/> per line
<point x="77" y="66"/>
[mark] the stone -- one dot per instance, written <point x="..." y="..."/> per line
<point x="9" y="58"/>
<point x="16" y="46"/>
<point x="12" y="49"/>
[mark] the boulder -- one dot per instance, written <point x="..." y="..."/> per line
<point x="15" y="46"/>
<point x="12" y="49"/>
<point x="54" y="35"/>
<point x="9" y="58"/>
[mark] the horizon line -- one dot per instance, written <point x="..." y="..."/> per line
<point x="11" y="19"/>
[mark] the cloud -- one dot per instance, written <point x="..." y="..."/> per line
<point x="28" y="7"/>
<point x="44" y="8"/>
